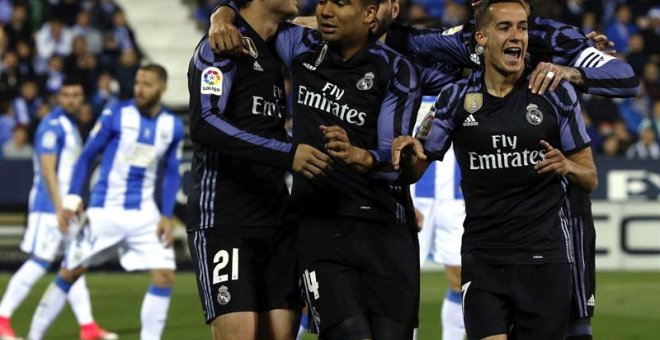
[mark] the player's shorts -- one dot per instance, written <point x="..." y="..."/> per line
<point x="583" y="234"/>
<point x="245" y="269"/>
<point x="442" y="230"/>
<point x="352" y="267"/>
<point x="43" y="239"/>
<point x="534" y="299"/>
<point x="132" y="233"/>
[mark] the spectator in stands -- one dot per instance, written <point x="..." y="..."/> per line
<point x="123" y="34"/>
<point x="105" y="94"/>
<point x="18" y="147"/>
<point x="653" y="120"/>
<point x="125" y="70"/>
<point x="632" y="110"/>
<point x="101" y="12"/>
<point x="651" y="79"/>
<point x="647" y="148"/>
<point x="53" y="39"/>
<point x="66" y="10"/>
<point x="10" y="76"/>
<point x="637" y="57"/>
<point x="92" y="35"/>
<point x="19" y="27"/>
<point x="592" y="131"/>
<point x="82" y="64"/>
<point x="4" y="40"/>
<point x="611" y="146"/>
<point x="7" y="122"/>
<point x="25" y="51"/>
<point x="621" y="28"/>
<point x="25" y="106"/>
<point x="651" y="33"/>
<point x="6" y="7"/>
<point x="85" y="121"/>
<point x="52" y="79"/>
<point x="203" y="12"/>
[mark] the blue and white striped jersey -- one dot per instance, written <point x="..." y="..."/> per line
<point x="57" y="134"/>
<point x="133" y="145"/>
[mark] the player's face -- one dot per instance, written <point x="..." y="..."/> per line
<point x="71" y="98"/>
<point x="148" y="89"/>
<point x="288" y="8"/>
<point x="344" y="21"/>
<point x="505" y="38"/>
<point x="388" y="10"/>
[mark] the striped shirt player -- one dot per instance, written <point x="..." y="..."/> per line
<point x="374" y="97"/>
<point x="122" y="203"/>
<point x="237" y="232"/>
<point x="57" y="135"/>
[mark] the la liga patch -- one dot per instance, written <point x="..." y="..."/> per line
<point x="211" y="81"/>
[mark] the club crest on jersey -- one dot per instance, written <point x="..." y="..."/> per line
<point x="223" y="295"/>
<point x="367" y="82"/>
<point x="473" y="102"/>
<point x="251" y="47"/>
<point x="452" y="30"/>
<point x="319" y="58"/>
<point x="534" y="115"/>
<point x="211" y="81"/>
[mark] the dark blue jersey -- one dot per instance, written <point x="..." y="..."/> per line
<point x="549" y="41"/>
<point x="513" y="214"/>
<point x="241" y="148"/>
<point x="374" y="96"/>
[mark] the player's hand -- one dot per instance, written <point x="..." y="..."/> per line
<point x="405" y="142"/>
<point x="224" y="37"/>
<point x="553" y="162"/>
<point x="164" y="231"/>
<point x="547" y="76"/>
<point x="310" y="162"/>
<point x="603" y="44"/>
<point x="339" y="146"/>
<point x="419" y="218"/>
<point x="62" y="221"/>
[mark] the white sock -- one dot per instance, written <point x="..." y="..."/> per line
<point x="415" y="334"/>
<point x="453" y="327"/>
<point x="49" y="308"/>
<point x="78" y="298"/>
<point x="20" y="285"/>
<point x="154" y="312"/>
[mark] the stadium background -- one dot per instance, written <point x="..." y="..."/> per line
<point x="104" y="41"/>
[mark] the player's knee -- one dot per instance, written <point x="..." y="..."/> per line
<point x="162" y="277"/>
<point x="71" y="275"/>
<point x="453" y="274"/>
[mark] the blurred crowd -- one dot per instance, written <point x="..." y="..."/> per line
<point x="44" y="41"/>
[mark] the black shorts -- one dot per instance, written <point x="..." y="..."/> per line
<point x="534" y="299"/>
<point x="242" y="269"/>
<point x="583" y="234"/>
<point x="352" y="267"/>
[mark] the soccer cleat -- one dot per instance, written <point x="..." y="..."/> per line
<point x="6" y="332"/>
<point x="92" y="331"/>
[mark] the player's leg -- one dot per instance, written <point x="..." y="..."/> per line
<point x="486" y="308"/>
<point x="277" y="280"/>
<point x="542" y="296"/>
<point x="42" y="241"/>
<point x="449" y="232"/>
<point x="334" y="288"/>
<point x="579" y="329"/>
<point x="156" y="303"/>
<point x="426" y="234"/>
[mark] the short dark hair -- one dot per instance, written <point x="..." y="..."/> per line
<point x="158" y="69"/>
<point x="482" y="14"/>
<point x="71" y="80"/>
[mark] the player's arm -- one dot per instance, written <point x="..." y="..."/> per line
<point x="573" y="158"/>
<point x="412" y="156"/>
<point x="46" y="145"/>
<point x="210" y="127"/>
<point x="576" y="59"/>
<point x="170" y="185"/>
<point x="430" y="45"/>
<point x="103" y="131"/>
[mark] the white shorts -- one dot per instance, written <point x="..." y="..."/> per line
<point x="442" y="230"/>
<point x="130" y="232"/>
<point x="43" y="239"/>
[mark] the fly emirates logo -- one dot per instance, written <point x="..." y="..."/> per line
<point x="505" y="155"/>
<point x="329" y="100"/>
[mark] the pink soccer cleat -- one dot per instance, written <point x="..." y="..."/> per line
<point x="92" y="331"/>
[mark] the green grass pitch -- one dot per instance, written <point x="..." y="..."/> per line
<point x="626" y="306"/>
